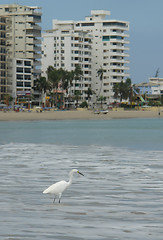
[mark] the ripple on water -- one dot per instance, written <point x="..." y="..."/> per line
<point x="120" y="196"/>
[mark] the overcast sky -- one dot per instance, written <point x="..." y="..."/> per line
<point x="146" y="27"/>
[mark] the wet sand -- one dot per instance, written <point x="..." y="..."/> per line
<point x="78" y="114"/>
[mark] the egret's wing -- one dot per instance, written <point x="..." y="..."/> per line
<point x="57" y="188"/>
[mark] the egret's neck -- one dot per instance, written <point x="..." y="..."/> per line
<point x="70" y="179"/>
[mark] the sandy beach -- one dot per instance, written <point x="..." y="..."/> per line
<point x="79" y="114"/>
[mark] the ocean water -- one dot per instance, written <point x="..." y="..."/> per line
<point x="120" y="196"/>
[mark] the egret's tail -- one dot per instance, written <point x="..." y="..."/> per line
<point x="45" y="191"/>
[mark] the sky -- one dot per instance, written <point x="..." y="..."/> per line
<point x="146" y="27"/>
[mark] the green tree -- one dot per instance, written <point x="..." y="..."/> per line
<point x="8" y="99"/>
<point x="77" y="95"/>
<point x="84" y="104"/>
<point x="101" y="99"/>
<point x="89" y="93"/>
<point x="161" y="99"/>
<point x="54" y="76"/>
<point x="67" y="78"/>
<point x="123" y="90"/>
<point x="100" y="73"/>
<point x="77" y="74"/>
<point x="42" y="85"/>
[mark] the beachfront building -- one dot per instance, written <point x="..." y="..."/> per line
<point x="5" y="81"/>
<point x="107" y="49"/>
<point x="152" y="90"/>
<point x="22" y="47"/>
<point x="156" y="86"/>
<point x="64" y="47"/>
<point x="4" y="85"/>
<point x="22" y="79"/>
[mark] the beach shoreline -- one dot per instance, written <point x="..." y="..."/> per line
<point x="78" y="115"/>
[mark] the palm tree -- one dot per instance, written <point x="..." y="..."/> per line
<point x="116" y="90"/>
<point x="42" y="85"/>
<point x="52" y="74"/>
<point x="67" y="83"/>
<point x="8" y="99"/>
<point x="77" y="96"/>
<point x="89" y="93"/>
<point x="54" y="78"/>
<point x="78" y="73"/>
<point x="101" y="99"/>
<point x="123" y="90"/>
<point x="100" y="73"/>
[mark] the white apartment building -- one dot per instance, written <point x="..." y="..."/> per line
<point x="64" y="47"/>
<point x="4" y="85"/>
<point x="22" y="76"/>
<point x="23" y="41"/>
<point x="156" y="84"/>
<point x="108" y="50"/>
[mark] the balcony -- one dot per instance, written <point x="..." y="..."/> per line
<point x="34" y="18"/>
<point x="32" y="40"/>
<point x="33" y="33"/>
<point x="117" y="47"/>
<point x="117" y="74"/>
<point x="37" y="55"/>
<point x="37" y="48"/>
<point x="33" y="26"/>
<point x="37" y="71"/>
<point x="29" y="48"/>
<point x="119" y="41"/>
<point x="119" y="34"/>
<point x="114" y="67"/>
<point x="119" y="54"/>
<point x="36" y="63"/>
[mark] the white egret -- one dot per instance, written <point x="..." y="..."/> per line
<point x="59" y="187"/>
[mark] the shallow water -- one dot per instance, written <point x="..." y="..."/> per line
<point x="120" y="196"/>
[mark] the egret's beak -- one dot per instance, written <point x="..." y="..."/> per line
<point x="81" y="173"/>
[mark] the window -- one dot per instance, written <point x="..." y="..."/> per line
<point x="27" y="77"/>
<point x="115" y="24"/>
<point x="3" y="89"/>
<point x="27" y="63"/>
<point x="3" y="66"/>
<point x="27" y="84"/>
<point x="19" y="84"/>
<point x="105" y="38"/>
<point x="27" y="70"/>
<point x="3" y="58"/>
<point x="19" y="77"/>
<point x="19" y="62"/>
<point x="19" y="69"/>
<point x="87" y="24"/>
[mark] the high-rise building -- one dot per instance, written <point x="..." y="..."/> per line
<point x="22" y="47"/>
<point x="64" y="47"/>
<point x="4" y="84"/>
<point x="108" y="50"/>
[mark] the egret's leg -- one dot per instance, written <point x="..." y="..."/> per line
<point x="54" y="200"/>
<point x="60" y="195"/>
